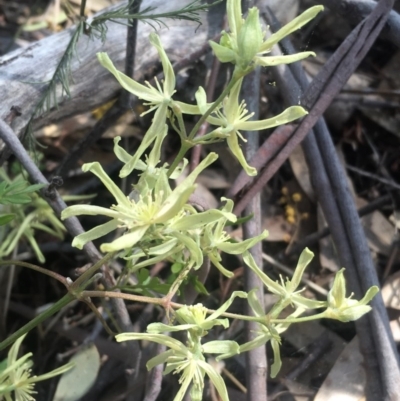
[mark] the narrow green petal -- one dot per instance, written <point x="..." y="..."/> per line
<point x="255" y="303"/>
<point x="215" y="378"/>
<point x="154" y="260"/>
<point x="276" y="366"/>
<point x="237" y="248"/>
<point x="231" y="105"/>
<point x="169" y="75"/>
<point x="272" y="286"/>
<point x="185" y="108"/>
<point x="218" y="265"/>
<point x="234" y="14"/>
<point x="181" y="193"/>
<point x="98" y="171"/>
<point x="124" y="156"/>
<point x="290" y="114"/>
<point x="304" y="260"/>
<point x="307" y="303"/>
<point x="156" y="128"/>
<point x="141" y="91"/>
<point x="226" y="304"/>
<point x="353" y="313"/>
<point x="163" y="248"/>
<point x="53" y="373"/>
<point x="203" y="106"/>
<point x="195" y="252"/>
<point x="369" y="295"/>
<point x="201" y="99"/>
<point x="11" y="368"/>
<point x="35" y="246"/>
<point x="155" y="154"/>
<point x="178" y="171"/>
<point x="292" y="26"/>
<point x="255" y="343"/>
<point x="159" y="359"/>
<point x="188" y="374"/>
<point x="337" y="294"/>
<point x="94" y="233"/>
<point x="155" y="328"/>
<point x="157" y="338"/>
<point x="221" y="347"/>
<point x="234" y="146"/>
<point x="174" y="204"/>
<point x="120" y="152"/>
<point x="90" y="210"/>
<point x="228" y="207"/>
<point x="199" y="220"/>
<point x="13" y="353"/>
<point x="126" y="241"/>
<point x="270" y="61"/>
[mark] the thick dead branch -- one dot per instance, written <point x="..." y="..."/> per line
<point x="24" y="72"/>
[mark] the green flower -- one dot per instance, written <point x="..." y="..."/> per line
<point x="15" y="375"/>
<point x="24" y="225"/>
<point x="286" y="291"/>
<point x="136" y="215"/>
<point x="267" y="332"/>
<point x="159" y="99"/>
<point x="347" y="309"/>
<point x="215" y="239"/>
<point x="234" y="117"/>
<point x="188" y="360"/>
<point x="245" y="46"/>
<point x="194" y="317"/>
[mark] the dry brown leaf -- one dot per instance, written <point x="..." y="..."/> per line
<point x="346" y="381"/>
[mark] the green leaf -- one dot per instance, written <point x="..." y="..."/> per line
<point x="216" y="379"/>
<point x="176" y="268"/>
<point x="6" y="218"/>
<point x="75" y="383"/>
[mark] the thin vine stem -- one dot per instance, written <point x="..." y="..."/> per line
<point x="61" y="303"/>
<point x="215" y="104"/>
<point x="188" y="143"/>
<point x="89" y="272"/>
<point x="63" y="280"/>
<point x="82" y="8"/>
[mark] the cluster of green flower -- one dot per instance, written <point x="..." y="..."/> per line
<point x="160" y="224"/>
<point x="16" y="377"/>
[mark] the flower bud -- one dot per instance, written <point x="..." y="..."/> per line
<point x="250" y="38"/>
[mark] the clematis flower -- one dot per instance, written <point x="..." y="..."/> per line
<point x="188" y="360"/>
<point x="267" y="332"/>
<point x="194" y="317"/>
<point x="244" y="45"/>
<point x="287" y="291"/>
<point x="215" y="239"/>
<point x="15" y="375"/>
<point x="137" y="215"/>
<point x="234" y="117"/>
<point x="347" y="309"/>
<point x="159" y="99"/>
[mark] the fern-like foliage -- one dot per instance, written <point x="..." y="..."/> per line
<point x="61" y="76"/>
<point x="190" y="12"/>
